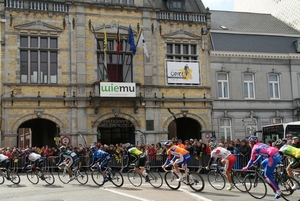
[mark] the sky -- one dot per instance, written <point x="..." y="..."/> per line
<point x="218" y="4"/>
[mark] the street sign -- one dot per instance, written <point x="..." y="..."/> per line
<point x="65" y="140"/>
<point x="56" y="138"/>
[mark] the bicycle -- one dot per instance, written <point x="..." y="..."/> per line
<point x="34" y="176"/>
<point x="255" y="184"/>
<point x="190" y="178"/>
<point x="114" y="177"/>
<point x="155" y="178"/>
<point x="13" y="176"/>
<point x="80" y="175"/>
<point x="217" y="179"/>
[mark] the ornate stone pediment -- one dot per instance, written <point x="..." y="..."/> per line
<point x="38" y="26"/>
<point x="113" y="29"/>
<point x="181" y="34"/>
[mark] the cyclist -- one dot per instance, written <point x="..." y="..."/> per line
<point x="4" y="163"/>
<point x="70" y="158"/>
<point x="35" y="160"/>
<point x="272" y="158"/>
<point x="293" y="155"/>
<point x="180" y="157"/>
<point x="138" y="158"/>
<point x="227" y="159"/>
<point x="103" y="158"/>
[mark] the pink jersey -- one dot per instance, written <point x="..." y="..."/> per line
<point x="263" y="150"/>
<point x="220" y="152"/>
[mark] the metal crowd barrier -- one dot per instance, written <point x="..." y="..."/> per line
<point x="156" y="161"/>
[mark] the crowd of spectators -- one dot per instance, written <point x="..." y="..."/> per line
<point x="199" y="150"/>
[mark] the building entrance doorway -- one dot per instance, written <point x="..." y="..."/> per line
<point x="37" y="132"/>
<point x="115" y="131"/>
<point x="184" y="128"/>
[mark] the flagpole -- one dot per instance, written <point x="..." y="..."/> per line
<point x="124" y="53"/>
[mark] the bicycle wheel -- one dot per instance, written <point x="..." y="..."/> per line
<point x="49" y="178"/>
<point x="32" y="177"/>
<point x="82" y="176"/>
<point x="285" y="183"/>
<point x="237" y="179"/>
<point x="116" y="178"/>
<point x="97" y="177"/>
<point x="14" y="177"/>
<point x="195" y="181"/>
<point x="134" y="178"/>
<point x="63" y="176"/>
<point x="216" y="180"/>
<point x="255" y="185"/>
<point x="2" y="179"/>
<point x="155" y="178"/>
<point x="171" y="180"/>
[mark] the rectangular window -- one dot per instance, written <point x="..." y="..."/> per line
<point x="223" y="92"/>
<point x="274" y="86"/>
<point x="118" y="67"/>
<point x="181" y="51"/>
<point x="37" y="62"/>
<point x="225" y="129"/>
<point x="249" y="86"/>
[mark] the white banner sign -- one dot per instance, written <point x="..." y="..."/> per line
<point x="183" y="72"/>
<point x="117" y="89"/>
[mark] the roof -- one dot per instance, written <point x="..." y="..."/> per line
<point x="249" y="22"/>
<point x="251" y="32"/>
<point x="253" y="43"/>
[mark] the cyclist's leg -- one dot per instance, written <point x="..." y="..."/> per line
<point x="138" y="163"/>
<point x="293" y="166"/>
<point x="269" y="172"/>
<point x="103" y="165"/>
<point x="70" y="164"/>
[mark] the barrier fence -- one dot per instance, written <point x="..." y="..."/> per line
<point x="119" y="162"/>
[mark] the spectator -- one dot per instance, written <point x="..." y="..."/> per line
<point x="159" y="153"/>
<point x="245" y="151"/>
<point x="180" y="144"/>
<point x="295" y="142"/>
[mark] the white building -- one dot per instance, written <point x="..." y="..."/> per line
<point x="287" y="11"/>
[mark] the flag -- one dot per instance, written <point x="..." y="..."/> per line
<point x="105" y="73"/>
<point x="118" y="41"/>
<point x="131" y="40"/>
<point x="142" y="43"/>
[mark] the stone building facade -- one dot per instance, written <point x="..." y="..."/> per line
<point x="54" y="66"/>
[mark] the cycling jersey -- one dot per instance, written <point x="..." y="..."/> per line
<point x="222" y="153"/>
<point x="180" y="155"/>
<point x="3" y="157"/>
<point x="102" y="157"/>
<point x="134" y="152"/>
<point x="70" y="155"/>
<point x="33" y="157"/>
<point x="137" y="157"/>
<point x="290" y="151"/>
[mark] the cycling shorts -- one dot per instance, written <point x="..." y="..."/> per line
<point x="183" y="160"/>
<point x="230" y="160"/>
<point x="141" y="161"/>
<point x="295" y="164"/>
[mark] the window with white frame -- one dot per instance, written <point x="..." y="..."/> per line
<point x="276" y="120"/>
<point x="180" y="52"/>
<point x="274" y="86"/>
<point x="38" y="59"/>
<point x="249" y="86"/>
<point x="223" y="89"/>
<point x="225" y="129"/>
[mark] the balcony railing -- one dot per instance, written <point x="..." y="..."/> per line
<point x="41" y="6"/>
<point x="181" y="16"/>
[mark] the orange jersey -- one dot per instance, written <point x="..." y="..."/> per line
<point x="176" y="151"/>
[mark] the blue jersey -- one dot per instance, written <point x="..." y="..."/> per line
<point x="99" y="156"/>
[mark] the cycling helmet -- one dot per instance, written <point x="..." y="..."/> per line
<point x="168" y="143"/>
<point x="213" y="138"/>
<point x="212" y="144"/>
<point x="127" y="145"/>
<point x="278" y="143"/>
<point x="27" y="151"/>
<point x="93" y="148"/>
<point x="253" y="138"/>
<point x="62" y="149"/>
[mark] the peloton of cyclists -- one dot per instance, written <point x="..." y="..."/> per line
<point x="180" y="157"/>
<point x="70" y="158"/>
<point x="101" y="157"/>
<point x="226" y="157"/>
<point x="272" y="158"/>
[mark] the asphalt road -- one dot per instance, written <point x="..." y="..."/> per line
<point x="76" y="192"/>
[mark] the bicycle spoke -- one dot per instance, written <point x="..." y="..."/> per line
<point x="195" y="181"/>
<point x="116" y="178"/>
<point x="155" y="179"/>
<point x="171" y="180"/>
<point x="255" y="186"/>
<point x="134" y="178"/>
<point x="216" y="180"/>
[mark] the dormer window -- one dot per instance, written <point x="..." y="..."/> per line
<point x="176" y="5"/>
